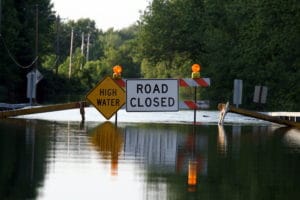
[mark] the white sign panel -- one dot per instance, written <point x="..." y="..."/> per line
<point x="238" y="92"/>
<point x="39" y="76"/>
<point x="260" y="94"/>
<point x="33" y="77"/>
<point x="151" y="95"/>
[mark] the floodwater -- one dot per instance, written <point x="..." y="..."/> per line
<point x="100" y="160"/>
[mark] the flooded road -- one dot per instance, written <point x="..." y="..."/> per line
<point x="69" y="160"/>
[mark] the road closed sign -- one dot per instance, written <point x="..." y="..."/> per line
<point x="152" y="95"/>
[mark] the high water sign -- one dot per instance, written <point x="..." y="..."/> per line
<point x="152" y="95"/>
<point x="107" y="97"/>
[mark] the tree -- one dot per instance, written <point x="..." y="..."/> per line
<point x="256" y="41"/>
<point x="20" y="22"/>
<point x="170" y="30"/>
<point x="120" y="49"/>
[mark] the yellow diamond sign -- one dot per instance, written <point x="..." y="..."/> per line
<point x="107" y="97"/>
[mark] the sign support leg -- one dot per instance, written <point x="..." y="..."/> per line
<point x="82" y="112"/>
<point x="195" y="99"/>
<point x="116" y="119"/>
<point x="31" y="89"/>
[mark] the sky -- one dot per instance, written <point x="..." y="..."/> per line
<point x="107" y="14"/>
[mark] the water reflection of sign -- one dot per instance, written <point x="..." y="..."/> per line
<point x="152" y="95"/>
<point x="192" y="172"/>
<point x="108" y="141"/>
<point x="107" y="97"/>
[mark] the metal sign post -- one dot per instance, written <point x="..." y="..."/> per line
<point x="195" y="100"/>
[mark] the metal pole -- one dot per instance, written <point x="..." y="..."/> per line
<point x="195" y="99"/>
<point x="116" y="119"/>
<point x="31" y="88"/>
<point x="194" y="142"/>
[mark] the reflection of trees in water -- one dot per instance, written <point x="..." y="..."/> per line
<point x="22" y="158"/>
<point x="108" y="141"/>
<point x="256" y="158"/>
<point x="237" y="158"/>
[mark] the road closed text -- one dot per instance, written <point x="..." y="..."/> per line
<point x="152" y="95"/>
<point x="152" y="102"/>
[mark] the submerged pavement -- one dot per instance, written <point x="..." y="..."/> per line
<point x="184" y="116"/>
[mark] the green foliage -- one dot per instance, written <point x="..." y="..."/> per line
<point x="18" y="47"/>
<point x="256" y="41"/>
<point x="114" y="47"/>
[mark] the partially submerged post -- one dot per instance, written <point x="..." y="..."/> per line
<point x="82" y="112"/>
<point x="223" y="108"/>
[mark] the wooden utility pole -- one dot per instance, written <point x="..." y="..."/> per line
<point x="88" y="47"/>
<point x="71" y="52"/>
<point x="57" y="44"/>
<point x="82" y="49"/>
<point x="36" y="35"/>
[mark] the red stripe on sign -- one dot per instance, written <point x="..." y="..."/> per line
<point x="201" y="81"/>
<point x="120" y="82"/>
<point x="182" y="83"/>
<point x="191" y="104"/>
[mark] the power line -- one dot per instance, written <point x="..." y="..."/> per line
<point x="13" y="58"/>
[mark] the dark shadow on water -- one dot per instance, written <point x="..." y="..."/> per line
<point x="22" y="158"/>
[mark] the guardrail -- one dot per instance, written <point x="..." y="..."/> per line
<point x="224" y="108"/>
<point x="47" y="108"/>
